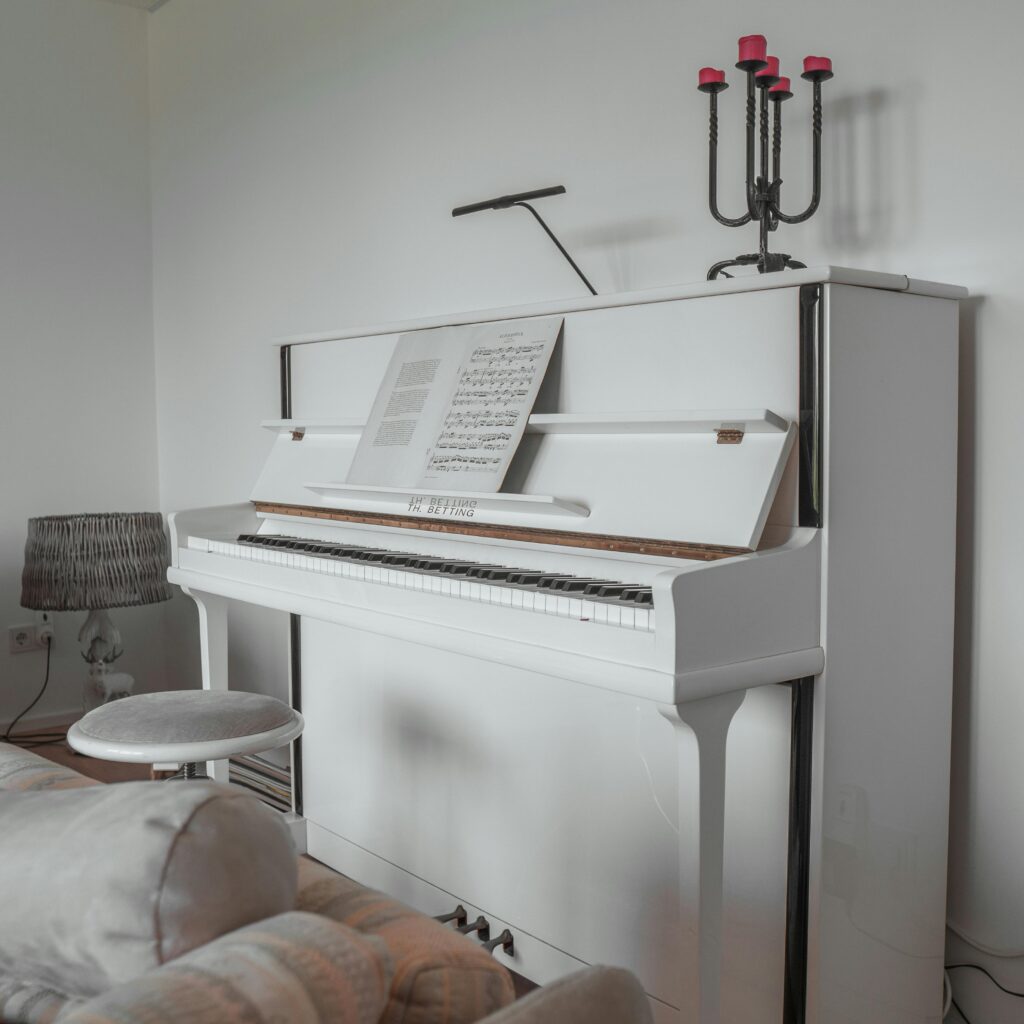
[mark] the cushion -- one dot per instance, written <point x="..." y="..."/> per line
<point x="98" y="885"/>
<point x="441" y="977"/>
<point x="26" y="1003"/>
<point x="185" y="716"/>
<point x="23" y="770"/>
<point x="598" y="995"/>
<point x="291" y="969"/>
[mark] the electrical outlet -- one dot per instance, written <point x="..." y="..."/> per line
<point x="22" y="638"/>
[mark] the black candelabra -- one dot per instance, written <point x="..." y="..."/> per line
<point x="764" y="86"/>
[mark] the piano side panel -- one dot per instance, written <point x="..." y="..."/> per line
<point x="883" y="703"/>
<point x="548" y="805"/>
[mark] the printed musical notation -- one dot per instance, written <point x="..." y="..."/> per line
<point x="453" y="405"/>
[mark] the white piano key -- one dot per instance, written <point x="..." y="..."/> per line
<point x="497" y="594"/>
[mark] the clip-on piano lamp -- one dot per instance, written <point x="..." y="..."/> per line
<point x="763" y="191"/>
<point x="520" y="199"/>
<point x="91" y="563"/>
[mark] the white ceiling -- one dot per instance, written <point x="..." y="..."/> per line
<point x="144" y="5"/>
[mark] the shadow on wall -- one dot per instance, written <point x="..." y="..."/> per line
<point x="871" y="166"/>
<point x="616" y="243"/>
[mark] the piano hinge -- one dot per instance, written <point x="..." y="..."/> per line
<point x="729" y="435"/>
<point x="298" y="433"/>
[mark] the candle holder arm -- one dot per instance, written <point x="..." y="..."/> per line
<point x="752" y="208"/>
<point x="729" y="222"/>
<point x="787" y="218"/>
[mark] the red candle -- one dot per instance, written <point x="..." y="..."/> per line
<point x="771" y="72"/>
<point x="753" y="49"/>
<point x="815" y="64"/>
<point x="710" y="76"/>
<point x="780" y="90"/>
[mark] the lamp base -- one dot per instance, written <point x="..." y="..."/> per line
<point x="101" y="645"/>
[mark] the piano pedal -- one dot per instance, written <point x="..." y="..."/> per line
<point x="504" y="940"/>
<point x="481" y="926"/>
<point x="458" y="915"/>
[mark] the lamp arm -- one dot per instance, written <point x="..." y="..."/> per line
<point x="561" y="248"/>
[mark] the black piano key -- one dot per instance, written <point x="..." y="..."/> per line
<point x="457" y="568"/>
<point x="524" y="578"/>
<point x="429" y="564"/>
<point x="489" y="572"/>
<point x="645" y="596"/>
<point x="593" y="587"/>
<point x="548" y="582"/>
<point x="577" y="586"/>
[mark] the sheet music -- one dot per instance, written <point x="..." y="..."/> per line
<point x="453" y="405"/>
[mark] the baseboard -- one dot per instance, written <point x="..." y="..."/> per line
<point x="39" y="723"/>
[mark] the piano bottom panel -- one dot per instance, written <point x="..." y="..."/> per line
<point x="551" y="806"/>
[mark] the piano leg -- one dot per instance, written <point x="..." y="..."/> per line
<point x="708" y="720"/>
<point x="213" y="647"/>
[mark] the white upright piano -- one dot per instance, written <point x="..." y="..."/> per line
<point x="678" y="697"/>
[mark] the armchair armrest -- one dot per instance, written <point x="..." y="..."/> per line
<point x="295" y="967"/>
<point x="25" y="771"/>
<point x="598" y="995"/>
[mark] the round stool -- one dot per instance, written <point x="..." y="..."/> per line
<point x="185" y="726"/>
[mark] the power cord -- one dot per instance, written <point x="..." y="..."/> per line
<point x="951" y="1001"/>
<point x="956" y="1006"/>
<point x="988" y="974"/>
<point x="39" y="696"/>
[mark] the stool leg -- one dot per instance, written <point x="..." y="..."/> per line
<point x="190" y="770"/>
<point x="213" y="645"/>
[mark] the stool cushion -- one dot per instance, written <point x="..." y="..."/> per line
<point x="100" y="884"/>
<point x="185" y="716"/>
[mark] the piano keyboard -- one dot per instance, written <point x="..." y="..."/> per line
<point x="607" y="602"/>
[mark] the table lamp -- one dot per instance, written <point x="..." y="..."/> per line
<point x="92" y="563"/>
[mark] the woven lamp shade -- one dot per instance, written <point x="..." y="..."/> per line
<point x="96" y="561"/>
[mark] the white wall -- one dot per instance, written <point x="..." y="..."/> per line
<point x="306" y="155"/>
<point x="76" y="378"/>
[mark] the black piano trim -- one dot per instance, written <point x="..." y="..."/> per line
<point x="294" y="621"/>
<point x="801" y="741"/>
